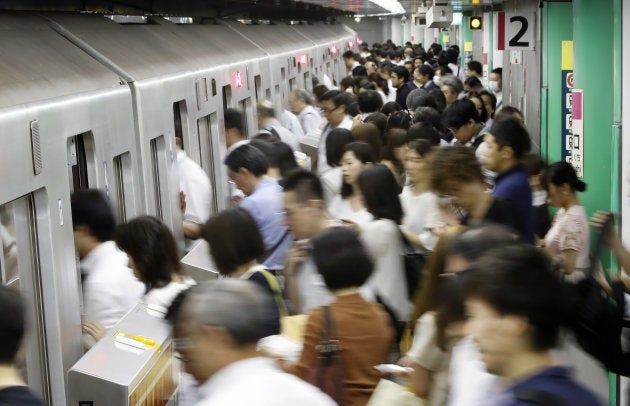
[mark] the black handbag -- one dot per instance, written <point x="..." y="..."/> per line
<point x="414" y="261"/>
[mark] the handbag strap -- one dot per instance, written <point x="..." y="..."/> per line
<point x="328" y="350"/>
<point x="277" y="292"/>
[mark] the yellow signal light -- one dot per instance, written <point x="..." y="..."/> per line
<point x="476" y="23"/>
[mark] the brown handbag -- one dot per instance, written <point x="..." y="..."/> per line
<point x="327" y="375"/>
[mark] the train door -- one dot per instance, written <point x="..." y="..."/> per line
<point x="211" y="163"/>
<point x="20" y="269"/>
<point x="81" y="164"/>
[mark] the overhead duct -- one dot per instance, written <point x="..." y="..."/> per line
<point x="439" y="17"/>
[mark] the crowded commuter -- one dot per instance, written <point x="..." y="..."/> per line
<point x="247" y="167"/>
<point x="475" y="69"/>
<point x="424" y="75"/>
<point x="393" y="153"/>
<point x="235" y="129"/>
<point x="195" y="185"/>
<point x="334" y="104"/>
<point x="478" y="102"/>
<point x="236" y="247"/>
<point x="508" y="141"/>
<point x="383" y="240"/>
<point x="490" y="104"/>
<point x="567" y="240"/>
<point x="154" y="259"/>
<point x="291" y="122"/>
<point x="301" y="103"/>
<point x="534" y="165"/>
<point x="348" y="206"/>
<point x="472" y="84"/>
<point x="452" y="87"/>
<point x="398" y="119"/>
<point x="361" y="329"/>
<point x="462" y="120"/>
<point x="369" y="102"/>
<point x="496" y="85"/>
<point x="514" y="315"/>
<point x="400" y="77"/>
<point x="420" y="205"/>
<point x="424" y="131"/>
<point x="217" y="331"/>
<point x="306" y="217"/>
<point x="349" y="59"/>
<point x="333" y="179"/>
<point x="390" y="108"/>
<point x="457" y="178"/>
<point x="318" y="92"/>
<point x="13" y="389"/>
<point x="110" y="289"/>
<point x="267" y="121"/>
<point x="370" y="134"/>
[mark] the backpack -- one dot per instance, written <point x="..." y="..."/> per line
<point x="596" y="318"/>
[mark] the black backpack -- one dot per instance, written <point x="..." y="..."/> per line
<point x="596" y="318"/>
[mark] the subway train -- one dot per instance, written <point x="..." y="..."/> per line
<point x="93" y="101"/>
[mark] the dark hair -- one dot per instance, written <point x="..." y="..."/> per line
<point x="395" y="138"/>
<point x="401" y="72"/>
<point x="533" y="163"/>
<point x="329" y="95"/>
<point x="421" y="147"/>
<point x="234" y="119"/>
<point x="380" y="193"/>
<point x="472" y="82"/>
<point x="425" y="132"/>
<point x="341" y="258"/>
<point x="428" y="115"/>
<point x="364" y="153"/>
<point x="359" y="71"/>
<point x="562" y="172"/>
<point x="91" y="209"/>
<point x="343" y="99"/>
<point x="474" y="242"/>
<point x="498" y="71"/>
<point x="369" y="101"/>
<point x="398" y="119"/>
<point x="439" y="97"/>
<point x="390" y="108"/>
<point x="493" y="101"/>
<point x="476" y="67"/>
<point x="509" y="132"/>
<point x="444" y="70"/>
<point x="381" y="83"/>
<point x="248" y="157"/>
<point x="234" y="239"/>
<point x="459" y="113"/>
<point x="483" y="116"/>
<point x="266" y="137"/>
<point x="346" y="82"/>
<point x="284" y="158"/>
<point x="518" y="280"/>
<point x="336" y="141"/>
<point x="348" y="55"/>
<point x="153" y="249"/>
<point x="426" y="70"/>
<point x="319" y="91"/>
<point x="419" y="98"/>
<point x="370" y="134"/>
<point x="508" y="111"/>
<point x="306" y="186"/>
<point x="379" y="120"/>
<point x="454" y="163"/>
<point x="11" y="324"/>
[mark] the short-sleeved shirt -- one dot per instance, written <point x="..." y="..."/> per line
<point x="513" y="184"/>
<point x="341" y="209"/>
<point x="569" y="231"/>
<point x="421" y="213"/>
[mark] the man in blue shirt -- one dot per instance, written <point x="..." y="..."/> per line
<point x="247" y="167"/>
<point x="508" y="141"/>
<point x="514" y="313"/>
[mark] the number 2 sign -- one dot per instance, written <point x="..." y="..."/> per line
<point x="516" y="31"/>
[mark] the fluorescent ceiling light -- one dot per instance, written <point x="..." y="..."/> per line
<point x="393" y="6"/>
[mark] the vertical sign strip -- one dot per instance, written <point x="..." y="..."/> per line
<point x="501" y="31"/>
<point x="577" y="154"/>
<point x="567" y="101"/>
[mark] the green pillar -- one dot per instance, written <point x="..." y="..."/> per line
<point x="467" y="36"/>
<point x="557" y="27"/>
<point x="597" y="67"/>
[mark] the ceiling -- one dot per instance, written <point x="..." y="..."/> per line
<point x="367" y="7"/>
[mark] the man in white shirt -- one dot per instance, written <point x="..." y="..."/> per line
<point x="267" y="121"/>
<point x="306" y="217"/>
<point x="301" y="103"/>
<point x="197" y="189"/>
<point x="109" y="287"/>
<point x="217" y="330"/>
<point x="334" y="104"/>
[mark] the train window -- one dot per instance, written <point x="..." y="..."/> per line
<point x="283" y="74"/>
<point x="277" y="97"/>
<point x="227" y="97"/>
<point x="214" y="87"/>
<point x="294" y="63"/>
<point x="122" y="171"/>
<point x="258" y="86"/>
<point x="201" y="87"/>
<point x="268" y="94"/>
<point x="81" y="166"/>
<point x="205" y="127"/>
<point x="245" y="106"/>
<point x="20" y="269"/>
<point x="180" y="118"/>
<point x="158" y="161"/>
<point x="311" y="62"/>
<point x="291" y="84"/>
<point x="308" y="84"/>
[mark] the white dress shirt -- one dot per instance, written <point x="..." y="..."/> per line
<point x="259" y="381"/>
<point x="292" y="123"/>
<point x="310" y="119"/>
<point x="110" y="289"/>
<point x="322" y="162"/>
<point x="194" y="182"/>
